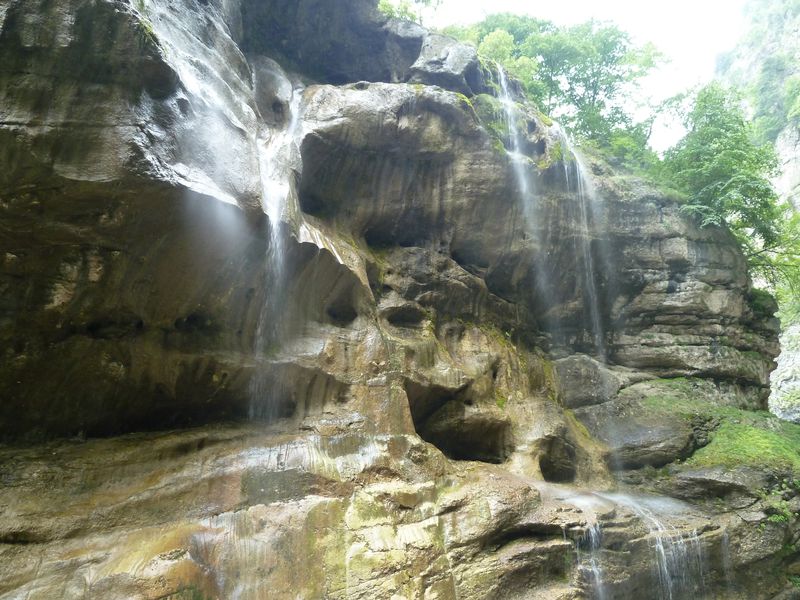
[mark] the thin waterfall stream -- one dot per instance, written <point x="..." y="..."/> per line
<point x="589" y="546"/>
<point x="276" y="152"/>
<point x="677" y="558"/>
<point x="579" y="187"/>
<point x="679" y="566"/>
<point x="679" y="561"/>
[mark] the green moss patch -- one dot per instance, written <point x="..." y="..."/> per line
<point x="738" y="437"/>
<point x="491" y="115"/>
<point x="735" y="444"/>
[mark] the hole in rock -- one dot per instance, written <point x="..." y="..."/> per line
<point x="408" y="316"/>
<point x="194" y="322"/>
<point x="110" y="328"/>
<point x="495" y="369"/>
<point x="480" y="437"/>
<point x="341" y="312"/>
<point x="443" y="418"/>
<point x="557" y="461"/>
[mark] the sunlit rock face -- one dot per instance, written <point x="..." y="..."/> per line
<point x="424" y="409"/>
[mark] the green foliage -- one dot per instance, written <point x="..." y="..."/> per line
<point x="588" y="72"/>
<point x="762" y="302"/>
<point x="726" y="176"/>
<point x="769" y="53"/>
<point x="400" y="10"/>
<point x="408" y="10"/>
<point x="583" y="75"/>
<point x="750" y="438"/>
<point x="498" y="46"/>
<point x="771" y="101"/>
<point x="724" y="172"/>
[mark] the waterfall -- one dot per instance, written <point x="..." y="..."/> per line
<point x="518" y="159"/>
<point x="275" y="168"/>
<point x="581" y="188"/>
<point x="589" y="557"/>
<point x="276" y="157"/>
<point x="679" y="563"/>
<point x="589" y="201"/>
<point x="677" y="556"/>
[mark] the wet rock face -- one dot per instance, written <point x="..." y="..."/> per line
<point x="421" y="426"/>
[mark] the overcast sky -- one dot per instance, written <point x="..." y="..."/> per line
<point x="690" y="33"/>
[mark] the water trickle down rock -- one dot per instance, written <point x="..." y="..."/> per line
<point x="582" y="222"/>
<point x="677" y="557"/>
<point x="279" y="162"/>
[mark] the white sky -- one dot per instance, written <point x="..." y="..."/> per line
<point x="690" y="33"/>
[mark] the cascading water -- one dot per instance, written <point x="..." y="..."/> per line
<point x="679" y="567"/>
<point x="582" y="189"/>
<point x="679" y="561"/>
<point x="275" y="164"/>
<point x="277" y="153"/>
<point x="589" y="201"/>
<point x="518" y="158"/>
<point x="589" y="557"/>
<point x="520" y="164"/>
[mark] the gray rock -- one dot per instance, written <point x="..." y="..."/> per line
<point x="584" y="381"/>
<point x="636" y="438"/>
<point x="448" y="63"/>
<point x="739" y="486"/>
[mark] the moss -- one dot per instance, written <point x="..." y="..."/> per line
<point x="145" y="33"/>
<point x="498" y="145"/>
<point x="557" y="152"/>
<point x="734" y="444"/>
<point x="577" y="425"/>
<point x="545" y="119"/>
<point x="762" y="303"/>
<point x="491" y="115"/>
<point x="189" y="593"/>
<point x="464" y="101"/>
<point x="500" y="399"/>
<point x="740" y="437"/>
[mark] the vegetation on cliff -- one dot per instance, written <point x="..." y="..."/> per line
<point x="584" y="76"/>
<point x="765" y="67"/>
<point x="726" y="174"/>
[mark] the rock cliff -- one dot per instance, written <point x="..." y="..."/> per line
<point x="283" y="317"/>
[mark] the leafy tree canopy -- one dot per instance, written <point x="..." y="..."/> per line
<point x="583" y="75"/>
<point x="726" y="176"/>
<point x="410" y="10"/>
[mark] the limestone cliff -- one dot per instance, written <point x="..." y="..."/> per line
<point x="409" y="371"/>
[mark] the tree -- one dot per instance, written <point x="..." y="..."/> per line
<point x="409" y="10"/>
<point x="498" y="46"/>
<point x="726" y="176"/>
<point x="588" y="72"/>
<point x="581" y="75"/>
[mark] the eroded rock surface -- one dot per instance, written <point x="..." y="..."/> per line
<point x="407" y="332"/>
